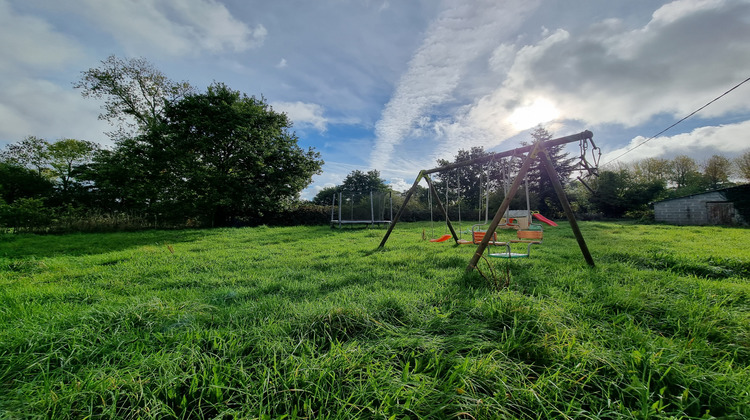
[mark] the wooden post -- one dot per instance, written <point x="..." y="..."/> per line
<point x="440" y="206"/>
<point x="503" y="207"/>
<point x="390" y="201"/>
<point x="333" y="208"/>
<point x="401" y="210"/>
<point x="341" y="203"/>
<point x="557" y="185"/>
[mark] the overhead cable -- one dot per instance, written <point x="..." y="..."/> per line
<point x="683" y="119"/>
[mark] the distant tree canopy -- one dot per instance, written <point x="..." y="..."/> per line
<point x="743" y="166"/>
<point x="17" y="182"/>
<point x="356" y="185"/>
<point x="617" y="193"/>
<point x="543" y="193"/>
<point x="496" y="176"/>
<point x="57" y="161"/>
<point x="469" y="183"/>
<point x="717" y="170"/>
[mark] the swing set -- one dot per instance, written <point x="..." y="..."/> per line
<point x="526" y="232"/>
<point x="531" y="234"/>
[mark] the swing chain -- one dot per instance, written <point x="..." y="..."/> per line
<point x="590" y="167"/>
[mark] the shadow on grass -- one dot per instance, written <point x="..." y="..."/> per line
<point x="79" y="244"/>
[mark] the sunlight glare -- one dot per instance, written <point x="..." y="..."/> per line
<point x="540" y="111"/>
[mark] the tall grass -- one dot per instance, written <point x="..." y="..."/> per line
<point x="309" y="322"/>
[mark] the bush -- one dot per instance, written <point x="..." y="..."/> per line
<point x="304" y="214"/>
<point x="26" y="215"/>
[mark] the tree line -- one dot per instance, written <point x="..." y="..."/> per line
<point x="180" y="157"/>
<point x="625" y="190"/>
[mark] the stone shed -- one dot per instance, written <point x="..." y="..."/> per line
<point x="727" y="206"/>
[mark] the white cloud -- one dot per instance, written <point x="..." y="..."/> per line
<point x="173" y="28"/>
<point x="31" y="104"/>
<point x="609" y="74"/>
<point x="610" y="71"/>
<point x="333" y="174"/>
<point x="399" y="184"/>
<point x="459" y="36"/>
<point x="303" y="114"/>
<point x="282" y="64"/>
<point x="43" y="109"/>
<point x="730" y="140"/>
<point x="30" y="44"/>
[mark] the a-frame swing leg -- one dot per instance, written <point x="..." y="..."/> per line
<point x="401" y="210"/>
<point x="541" y="150"/>
<point x="557" y="185"/>
<point x="407" y="197"/>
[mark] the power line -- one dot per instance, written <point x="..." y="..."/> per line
<point x="683" y="119"/>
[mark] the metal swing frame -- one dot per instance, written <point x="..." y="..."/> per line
<point x="538" y="150"/>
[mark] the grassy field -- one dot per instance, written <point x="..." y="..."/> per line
<point x="309" y="322"/>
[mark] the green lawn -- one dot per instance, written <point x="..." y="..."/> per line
<point x="311" y="322"/>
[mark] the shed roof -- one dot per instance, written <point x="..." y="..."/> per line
<point x="744" y="188"/>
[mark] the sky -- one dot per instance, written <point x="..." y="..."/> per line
<point x="395" y="85"/>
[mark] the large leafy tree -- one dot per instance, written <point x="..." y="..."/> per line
<point x="127" y="178"/>
<point x="717" y="170"/>
<point x="232" y="155"/>
<point x="66" y="156"/>
<point x="361" y="183"/>
<point x="651" y="169"/>
<point x="134" y="93"/>
<point x="684" y="171"/>
<point x="215" y="156"/>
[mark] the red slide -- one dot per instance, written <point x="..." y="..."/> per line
<point x="544" y="219"/>
<point x="441" y="239"/>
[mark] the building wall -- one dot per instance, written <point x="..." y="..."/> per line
<point x="692" y="210"/>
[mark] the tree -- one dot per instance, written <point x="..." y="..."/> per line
<point x="540" y="184"/>
<point x="215" y="156"/>
<point x="717" y="170"/>
<point x="742" y="163"/>
<point x="232" y="155"/>
<point x="57" y="161"/>
<point x="619" y="193"/>
<point x="356" y="185"/>
<point x="128" y="178"/>
<point x="684" y="170"/>
<point x="31" y="152"/>
<point x="134" y="93"/>
<point x="472" y="179"/>
<point x="361" y="183"/>
<point x="18" y="182"/>
<point x="65" y="156"/>
<point x="652" y="169"/>
<point x="325" y="196"/>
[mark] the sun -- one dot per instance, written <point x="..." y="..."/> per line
<point x="540" y="111"/>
